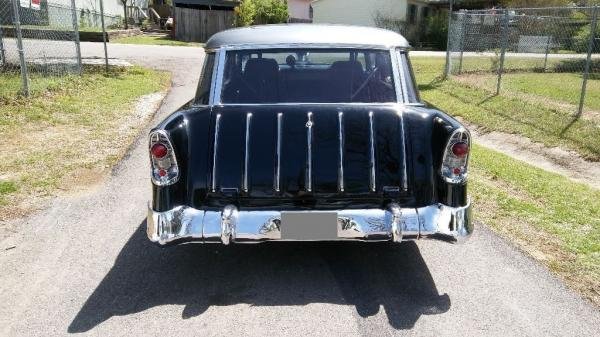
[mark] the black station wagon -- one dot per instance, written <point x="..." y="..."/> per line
<point x="308" y="133"/>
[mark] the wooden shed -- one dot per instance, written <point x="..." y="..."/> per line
<point x="198" y="20"/>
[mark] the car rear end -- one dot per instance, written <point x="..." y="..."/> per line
<point x="308" y="144"/>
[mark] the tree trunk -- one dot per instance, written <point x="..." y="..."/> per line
<point x="125" y="20"/>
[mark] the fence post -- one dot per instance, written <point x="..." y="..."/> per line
<point x="76" y="35"/>
<point x="447" y="68"/>
<point x="547" y="51"/>
<point x="103" y="33"/>
<point x="463" y="34"/>
<point x="586" y="73"/>
<point x="2" y="53"/>
<point x="504" y="42"/>
<point x="24" y="74"/>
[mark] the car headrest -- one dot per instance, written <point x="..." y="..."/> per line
<point x="261" y="67"/>
<point x="350" y="67"/>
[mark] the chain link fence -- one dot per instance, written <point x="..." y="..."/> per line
<point x="38" y="38"/>
<point x="541" y="54"/>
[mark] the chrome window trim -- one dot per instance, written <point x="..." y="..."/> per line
<point x="411" y="77"/>
<point x="218" y="79"/>
<point x="308" y="45"/>
<point x="400" y="94"/>
<point x="400" y="69"/>
<point x="213" y="87"/>
<point x="219" y="72"/>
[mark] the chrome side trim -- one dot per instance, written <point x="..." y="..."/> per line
<point x="215" y="149"/>
<point x="372" y="183"/>
<point x="247" y="152"/>
<point x="278" y="153"/>
<point x="436" y="221"/>
<point x="341" y="151"/>
<point x="404" y="180"/>
<point x="309" y="137"/>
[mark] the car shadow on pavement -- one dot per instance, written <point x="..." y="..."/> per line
<point x="366" y="275"/>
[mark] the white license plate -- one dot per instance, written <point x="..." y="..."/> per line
<point x="313" y="225"/>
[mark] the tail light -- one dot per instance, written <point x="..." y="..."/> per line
<point x="162" y="159"/>
<point x="456" y="157"/>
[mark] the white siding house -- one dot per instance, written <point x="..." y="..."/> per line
<point x="364" y="13"/>
<point x="299" y="9"/>
<point x="88" y="12"/>
<point x="111" y="7"/>
<point x="356" y="12"/>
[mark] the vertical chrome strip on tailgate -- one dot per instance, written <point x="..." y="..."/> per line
<point x="309" y="131"/>
<point x="371" y="153"/>
<point x="215" y="148"/>
<point x="404" y="170"/>
<point x="278" y="154"/>
<point x="341" y="151"/>
<point x="247" y="152"/>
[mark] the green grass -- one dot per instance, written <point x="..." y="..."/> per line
<point x="70" y="131"/>
<point x="533" y="118"/>
<point x="155" y="40"/>
<point x="6" y="188"/>
<point x="560" y="87"/>
<point x="555" y="219"/>
<point x="511" y="63"/>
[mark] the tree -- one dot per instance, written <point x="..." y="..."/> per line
<point x="436" y="30"/>
<point x="581" y="40"/>
<point x="124" y="3"/>
<point x="256" y="12"/>
<point x="271" y="11"/>
<point x="245" y="13"/>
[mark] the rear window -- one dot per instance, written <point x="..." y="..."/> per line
<point x="308" y="76"/>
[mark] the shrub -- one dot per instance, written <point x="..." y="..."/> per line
<point x="256" y="12"/>
<point x="582" y="39"/>
<point x="386" y="22"/>
<point x="245" y="13"/>
<point x="436" y="30"/>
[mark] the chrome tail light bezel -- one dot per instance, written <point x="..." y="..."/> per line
<point x="167" y="163"/>
<point x="451" y="162"/>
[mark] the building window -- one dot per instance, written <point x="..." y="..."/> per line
<point x="412" y="14"/>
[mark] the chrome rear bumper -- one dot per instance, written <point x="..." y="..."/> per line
<point x="186" y="224"/>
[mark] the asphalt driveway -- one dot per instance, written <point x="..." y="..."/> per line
<point x="84" y="266"/>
